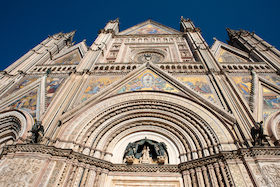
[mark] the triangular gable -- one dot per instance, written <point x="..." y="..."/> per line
<point x="149" y="77"/>
<point x="226" y="53"/>
<point x="149" y="27"/>
<point x="147" y="80"/>
<point x="24" y="82"/>
<point x="27" y="103"/>
<point x="71" y="55"/>
<point x="23" y="96"/>
<point x="28" y="98"/>
<point x="94" y="85"/>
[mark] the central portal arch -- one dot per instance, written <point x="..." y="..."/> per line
<point x="191" y="130"/>
<point x="188" y="130"/>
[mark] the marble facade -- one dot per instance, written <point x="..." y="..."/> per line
<point x="147" y="106"/>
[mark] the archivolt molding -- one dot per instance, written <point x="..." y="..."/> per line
<point x="128" y="118"/>
<point x="180" y="115"/>
<point x="23" y="118"/>
<point x="118" y="146"/>
<point x="272" y="127"/>
<point x="14" y="122"/>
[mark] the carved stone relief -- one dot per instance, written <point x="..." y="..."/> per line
<point x="146" y="151"/>
<point x="20" y="172"/>
<point x="267" y="174"/>
<point x="149" y="57"/>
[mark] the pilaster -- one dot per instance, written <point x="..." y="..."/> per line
<point x="256" y="47"/>
<point x="99" y="45"/>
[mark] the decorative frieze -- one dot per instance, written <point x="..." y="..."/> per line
<point x="219" y="158"/>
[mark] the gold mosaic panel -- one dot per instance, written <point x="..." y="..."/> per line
<point x="274" y="79"/>
<point x="226" y="56"/>
<point x="199" y="84"/>
<point x="149" y="29"/>
<point x="73" y="58"/>
<point x="147" y="80"/>
<point x="52" y="84"/>
<point x="23" y="83"/>
<point x="271" y="102"/>
<point x="243" y="84"/>
<point x="95" y="85"/>
<point x="27" y="103"/>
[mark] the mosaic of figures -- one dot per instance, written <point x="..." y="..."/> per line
<point x="27" y="103"/>
<point x="52" y="84"/>
<point x="95" y="84"/>
<point x="271" y="102"/>
<point x="149" y="29"/>
<point x="23" y="83"/>
<point x="243" y="84"/>
<point x="226" y="56"/>
<point x="147" y="80"/>
<point x="274" y="79"/>
<point x="73" y="58"/>
<point x="149" y="39"/>
<point x="200" y="84"/>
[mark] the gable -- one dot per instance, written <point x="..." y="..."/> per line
<point x="226" y="53"/>
<point x="149" y="77"/>
<point x="24" y="82"/>
<point x="52" y="85"/>
<point x="147" y="80"/>
<point x="32" y="94"/>
<point x="228" y="56"/>
<point x="93" y="85"/>
<point x="272" y="78"/>
<point x="149" y="27"/>
<point x="28" y="103"/>
<point x="72" y="58"/>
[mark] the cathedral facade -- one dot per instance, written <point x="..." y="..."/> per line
<point x="146" y="106"/>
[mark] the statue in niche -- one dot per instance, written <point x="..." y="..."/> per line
<point x="160" y="149"/>
<point x="146" y="151"/>
<point x="257" y="134"/>
<point x="130" y="152"/>
<point x="37" y="132"/>
<point x="145" y="159"/>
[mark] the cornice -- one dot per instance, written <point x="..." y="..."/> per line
<point x="147" y="35"/>
<point x="72" y="155"/>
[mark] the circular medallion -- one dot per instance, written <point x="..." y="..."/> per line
<point x="148" y="80"/>
<point x="149" y="57"/>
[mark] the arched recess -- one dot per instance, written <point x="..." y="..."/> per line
<point x="14" y="125"/>
<point x="272" y="127"/>
<point x="188" y="127"/>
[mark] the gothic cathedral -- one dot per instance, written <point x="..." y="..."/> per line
<point x="146" y="106"/>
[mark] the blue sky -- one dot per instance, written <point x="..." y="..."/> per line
<point x="26" y="23"/>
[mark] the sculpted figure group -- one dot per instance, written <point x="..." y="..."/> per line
<point x="145" y="146"/>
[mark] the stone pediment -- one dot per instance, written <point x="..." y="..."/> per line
<point x="149" y="27"/>
<point x="71" y="55"/>
<point x="149" y="78"/>
<point x="225" y="53"/>
<point x="33" y="94"/>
